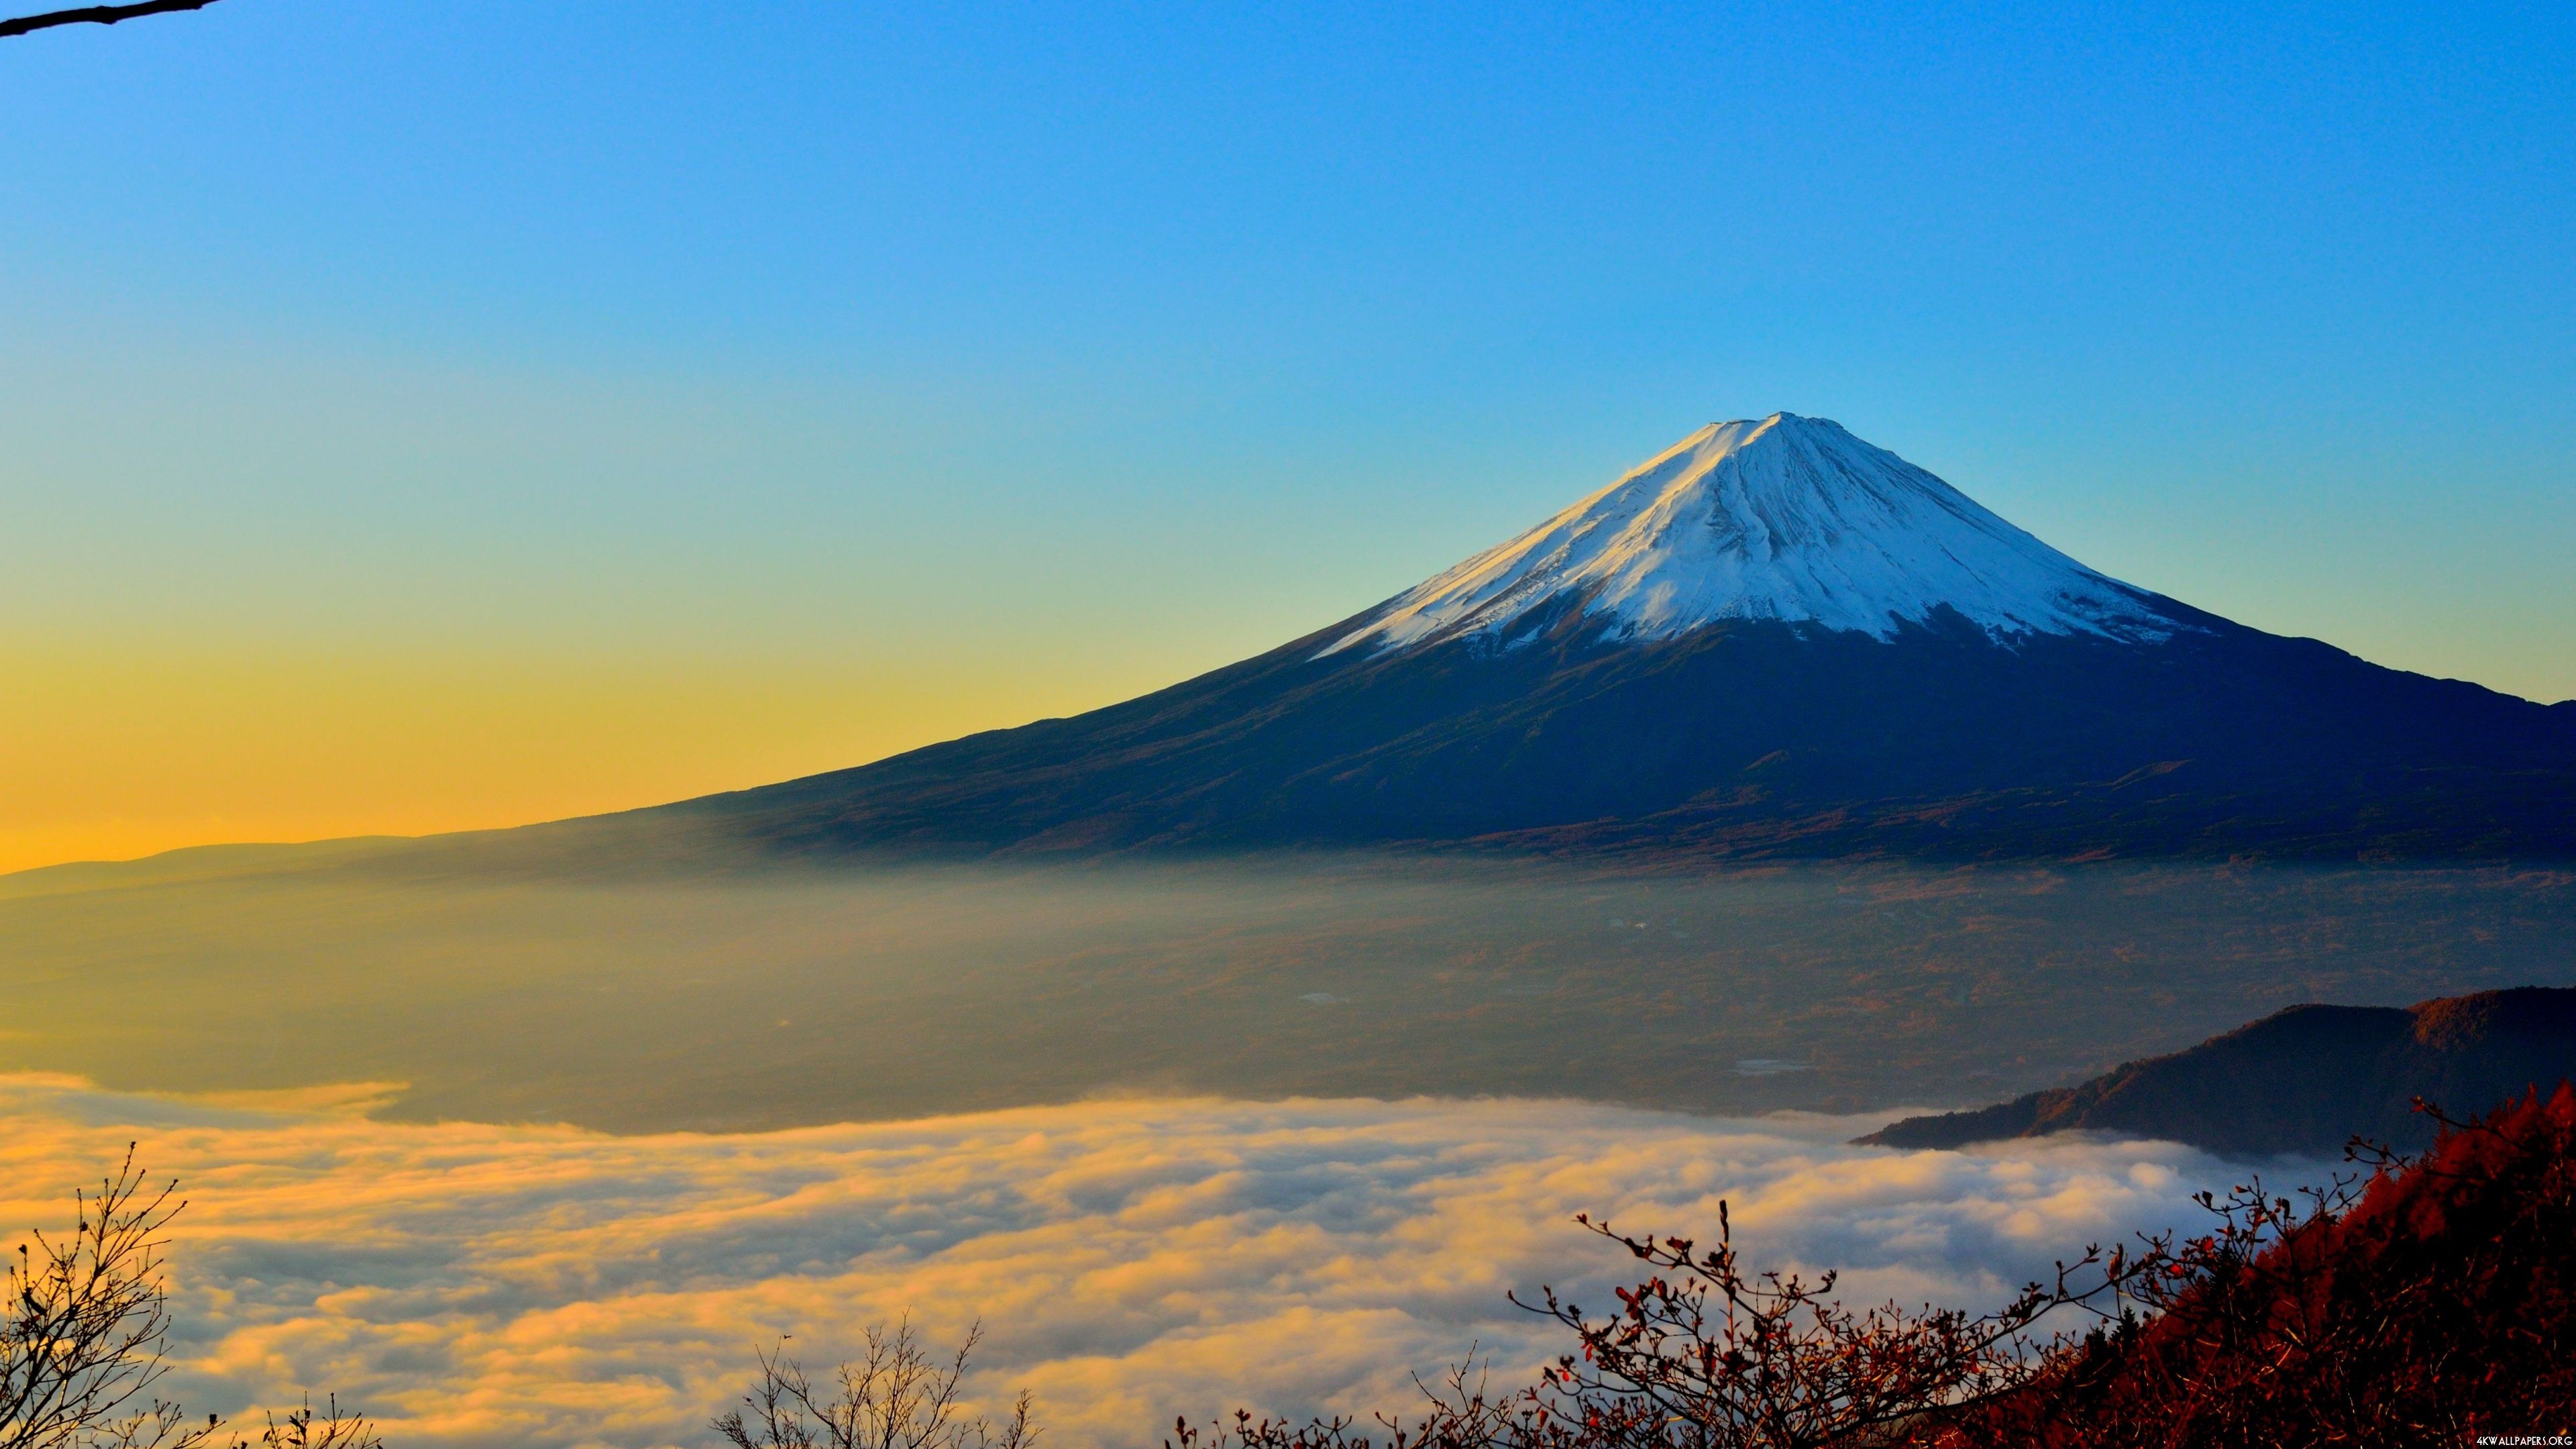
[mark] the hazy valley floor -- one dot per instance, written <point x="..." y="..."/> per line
<point x="766" y="1001"/>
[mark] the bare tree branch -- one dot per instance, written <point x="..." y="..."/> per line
<point x="900" y="1396"/>
<point x="85" y="1323"/>
<point x="97" y="15"/>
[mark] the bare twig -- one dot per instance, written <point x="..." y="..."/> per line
<point x="97" y="15"/>
<point x="899" y="1396"/>
<point x="84" y="1326"/>
<point x="1706" y="1352"/>
<point x="82" y="1333"/>
<point x="328" y="1429"/>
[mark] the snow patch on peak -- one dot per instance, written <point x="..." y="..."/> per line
<point x="1784" y="518"/>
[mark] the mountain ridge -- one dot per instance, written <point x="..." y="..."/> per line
<point x="2306" y="1078"/>
<point x="1511" y="750"/>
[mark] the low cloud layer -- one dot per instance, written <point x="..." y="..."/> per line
<point x="484" y="1285"/>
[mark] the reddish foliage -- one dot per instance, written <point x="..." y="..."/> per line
<point x="2436" y="1305"/>
<point x="2439" y="1307"/>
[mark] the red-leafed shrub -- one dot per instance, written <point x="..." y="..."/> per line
<point x="2439" y="1307"/>
<point x="2433" y="1304"/>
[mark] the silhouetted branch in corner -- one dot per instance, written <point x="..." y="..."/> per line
<point x="97" y="15"/>
<point x="84" y="1329"/>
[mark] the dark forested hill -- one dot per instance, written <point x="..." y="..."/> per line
<point x="2306" y="1079"/>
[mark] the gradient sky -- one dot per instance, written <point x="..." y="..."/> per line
<point x="417" y="416"/>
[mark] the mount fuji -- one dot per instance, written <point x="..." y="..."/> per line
<point x="1788" y="518"/>
<point x="1770" y="639"/>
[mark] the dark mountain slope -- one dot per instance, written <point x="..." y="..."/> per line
<point x="1742" y="738"/>
<point x="1770" y="639"/>
<point x="2306" y="1079"/>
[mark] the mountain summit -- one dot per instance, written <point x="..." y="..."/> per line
<point x="1788" y="518"/>
<point x="1771" y="639"/>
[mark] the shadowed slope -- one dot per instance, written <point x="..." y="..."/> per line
<point x="1740" y="739"/>
<point x="2309" y="1078"/>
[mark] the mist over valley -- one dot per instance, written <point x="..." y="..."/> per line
<point x="774" y="998"/>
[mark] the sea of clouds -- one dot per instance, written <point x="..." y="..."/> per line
<point x="487" y="1285"/>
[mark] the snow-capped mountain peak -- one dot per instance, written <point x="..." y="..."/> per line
<point x="1784" y="518"/>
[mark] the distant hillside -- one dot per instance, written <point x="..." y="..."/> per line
<point x="2308" y="1078"/>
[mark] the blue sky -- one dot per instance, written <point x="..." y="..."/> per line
<point x="940" y="368"/>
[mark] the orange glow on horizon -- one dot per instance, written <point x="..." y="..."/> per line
<point x="114" y="756"/>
